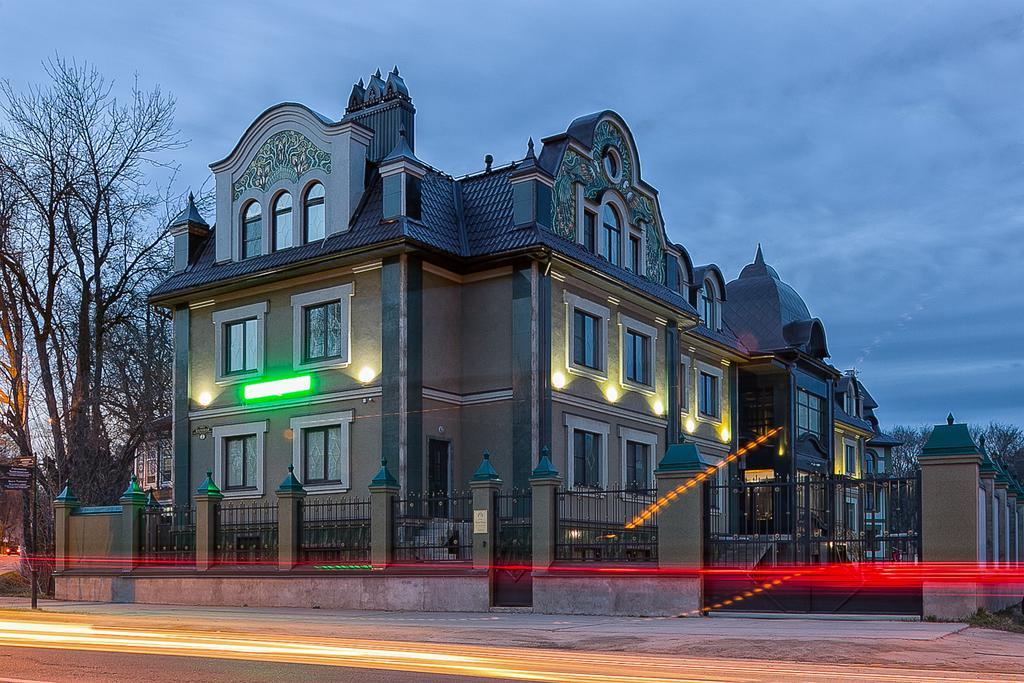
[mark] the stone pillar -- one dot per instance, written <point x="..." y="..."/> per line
<point x="1011" y="506"/>
<point x="383" y="490"/>
<point x="680" y="476"/>
<point x="208" y="496"/>
<point x="484" y="484"/>
<point x="950" y="463"/>
<point x="544" y="483"/>
<point x="1003" y="532"/>
<point x="133" y="501"/>
<point x="289" y="520"/>
<point x="64" y="505"/>
<point x="1020" y="524"/>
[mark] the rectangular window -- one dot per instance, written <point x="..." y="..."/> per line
<point x="637" y="466"/>
<point x="392" y="205"/>
<point x="585" y="455"/>
<point x="810" y="412"/>
<point x="636" y="354"/>
<point x="322" y="454"/>
<point x="240" y="346"/>
<point x="590" y="231"/>
<point x="240" y="465"/>
<point x="252" y="234"/>
<point x="323" y="332"/>
<point x="633" y="257"/>
<point x="851" y="459"/>
<point x="586" y="342"/>
<point x="709" y="396"/>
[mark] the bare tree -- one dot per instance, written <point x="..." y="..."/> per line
<point x="904" y="459"/>
<point x="80" y="253"/>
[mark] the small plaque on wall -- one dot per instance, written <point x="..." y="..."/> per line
<point x="479" y="521"/>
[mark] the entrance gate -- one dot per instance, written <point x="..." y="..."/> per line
<point x="512" y="575"/>
<point x="811" y="546"/>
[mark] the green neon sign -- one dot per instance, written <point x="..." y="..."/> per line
<point x="277" y="388"/>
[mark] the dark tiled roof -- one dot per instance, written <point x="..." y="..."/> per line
<point x="883" y="440"/>
<point x="853" y="420"/>
<point x="724" y="337"/>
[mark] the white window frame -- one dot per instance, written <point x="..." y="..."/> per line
<point x="626" y="322"/>
<point x="685" y="381"/>
<point x="342" y="293"/>
<point x="574" y="423"/>
<point x="710" y="292"/>
<point x="710" y="370"/>
<point x="856" y="457"/>
<point x="229" y="315"/>
<point x="573" y="303"/>
<point x="637" y="436"/>
<point x="222" y="432"/>
<point x="342" y="419"/>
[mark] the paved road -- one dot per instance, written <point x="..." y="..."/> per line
<point x="30" y="665"/>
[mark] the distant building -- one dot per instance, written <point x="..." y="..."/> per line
<point x="154" y="462"/>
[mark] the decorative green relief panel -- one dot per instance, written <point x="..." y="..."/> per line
<point x="590" y="173"/>
<point x="286" y="155"/>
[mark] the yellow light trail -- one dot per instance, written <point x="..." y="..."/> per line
<point x="698" y="478"/>
<point x="67" y="632"/>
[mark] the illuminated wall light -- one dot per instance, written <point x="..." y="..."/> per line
<point x="558" y="380"/>
<point x="204" y="399"/>
<point x="659" y="407"/>
<point x="278" y="387"/>
<point x="690" y="425"/>
<point x="366" y="375"/>
<point x="725" y="433"/>
<point x="611" y="393"/>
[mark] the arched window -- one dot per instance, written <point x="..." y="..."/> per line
<point x="315" y="223"/>
<point x="709" y="305"/>
<point x="611" y="234"/>
<point x="283" y="221"/>
<point x="252" y="230"/>
<point x="871" y="463"/>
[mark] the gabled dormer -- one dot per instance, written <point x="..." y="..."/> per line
<point x="402" y="175"/>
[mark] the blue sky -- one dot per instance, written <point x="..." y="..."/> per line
<point x="875" y="149"/>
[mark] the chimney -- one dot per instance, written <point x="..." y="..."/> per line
<point x="189" y="230"/>
<point x="385" y="107"/>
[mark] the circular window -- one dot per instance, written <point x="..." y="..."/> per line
<point x="612" y="164"/>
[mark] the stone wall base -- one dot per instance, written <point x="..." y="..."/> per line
<point x="631" y="596"/>
<point x="958" y="601"/>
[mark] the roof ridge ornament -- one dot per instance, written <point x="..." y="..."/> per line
<point x="529" y="149"/>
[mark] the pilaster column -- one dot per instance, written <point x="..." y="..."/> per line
<point x="484" y="484"/>
<point x="133" y="500"/>
<point x="544" y="483"/>
<point x="64" y="505"/>
<point x="289" y="520"/>
<point x="208" y="496"/>
<point x="383" y="490"/>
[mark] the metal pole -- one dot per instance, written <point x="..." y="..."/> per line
<point x="33" y="564"/>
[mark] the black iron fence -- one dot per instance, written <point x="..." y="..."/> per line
<point x="168" y="536"/>
<point x="334" y="530"/>
<point x="246" y="533"/>
<point x="811" y="521"/>
<point x="514" y="528"/>
<point x="433" y="528"/>
<point x="614" y="525"/>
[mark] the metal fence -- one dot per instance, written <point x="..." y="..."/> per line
<point x="168" y="536"/>
<point x="433" y="528"/>
<point x="604" y="526"/>
<point x="246" y="533"/>
<point x="334" y="530"/>
<point x="514" y="528"/>
<point x="811" y="521"/>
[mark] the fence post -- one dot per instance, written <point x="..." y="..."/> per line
<point x="950" y="463"/>
<point x="207" y="497"/>
<point x="64" y="505"/>
<point x="383" y="489"/>
<point x="289" y="520"/>
<point x="680" y="476"/>
<point x="484" y="484"/>
<point x="133" y="500"/>
<point x="544" y="483"/>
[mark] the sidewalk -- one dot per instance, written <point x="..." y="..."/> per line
<point x="892" y="643"/>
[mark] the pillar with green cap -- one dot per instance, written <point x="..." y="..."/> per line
<point x="952" y="529"/>
<point x="383" y="491"/>
<point x="988" y="539"/>
<point x="207" y="497"/>
<point x="484" y="484"/>
<point x="680" y="515"/>
<point x="64" y="505"/>
<point x="289" y="518"/>
<point x="544" y="483"/>
<point x="129" y="541"/>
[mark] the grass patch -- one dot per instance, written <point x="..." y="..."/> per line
<point x="1009" y="619"/>
<point x="14" y="585"/>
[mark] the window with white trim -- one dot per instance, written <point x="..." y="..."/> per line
<point x="810" y="414"/>
<point x="850" y="453"/>
<point x="709" y="392"/>
<point x="239" y="458"/>
<point x="252" y="230"/>
<point x="282" y="216"/>
<point x="321" y="327"/>
<point x="710" y="309"/>
<point x="684" y="384"/>
<point x="637" y="353"/>
<point x="638" y="450"/>
<point x="239" y="342"/>
<point x="315" y="223"/>
<point x="611" y="233"/>
<point x="586" y="452"/>
<point x="587" y="337"/>
<point x="321" y="452"/>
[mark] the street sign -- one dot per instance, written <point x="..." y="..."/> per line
<point x="15" y="485"/>
<point x="25" y="462"/>
<point x="18" y="473"/>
